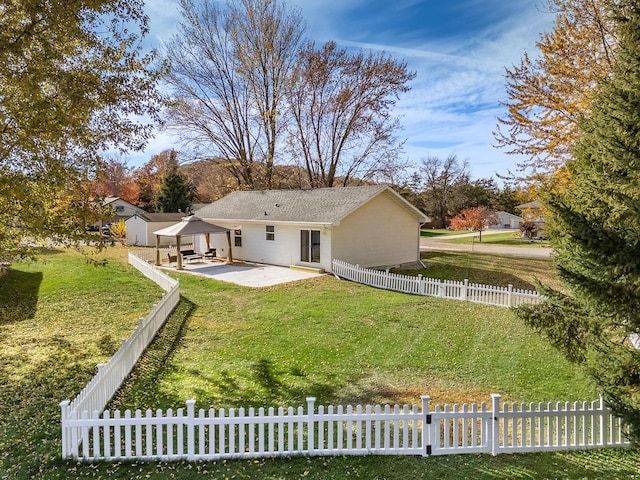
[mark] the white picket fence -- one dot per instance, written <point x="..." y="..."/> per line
<point x="149" y="254"/>
<point x="407" y="430"/>
<point x="432" y="287"/>
<point x="97" y="393"/>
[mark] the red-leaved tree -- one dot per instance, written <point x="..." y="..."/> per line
<point x="475" y="218"/>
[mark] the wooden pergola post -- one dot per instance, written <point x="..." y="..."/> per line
<point x="230" y="256"/>
<point x="158" y="250"/>
<point x="179" y="259"/>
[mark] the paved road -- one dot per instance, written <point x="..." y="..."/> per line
<point x="440" y="244"/>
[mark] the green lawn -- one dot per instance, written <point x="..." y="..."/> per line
<point x="227" y="345"/>
<point x="347" y="343"/>
<point x="437" y="232"/>
<point x="488" y="269"/>
<point x="506" y="239"/>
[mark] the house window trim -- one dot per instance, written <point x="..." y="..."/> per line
<point x="270" y="233"/>
<point x="237" y="237"/>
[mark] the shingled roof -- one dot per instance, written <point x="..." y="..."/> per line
<point x="161" y="217"/>
<point x="320" y="205"/>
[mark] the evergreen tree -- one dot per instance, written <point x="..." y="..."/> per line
<point x="175" y="194"/>
<point x="595" y="224"/>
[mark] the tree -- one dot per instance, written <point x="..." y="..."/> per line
<point x="210" y="178"/>
<point x="175" y="194"/>
<point x="148" y="179"/>
<point x="507" y="199"/>
<point x="115" y="178"/>
<point x="441" y="179"/>
<point x="72" y="79"/>
<point x="528" y="229"/>
<point x="476" y="193"/>
<point x="548" y="95"/>
<point x="229" y="72"/>
<point x="119" y="230"/>
<point x="595" y="227"/>
<point x="475" y="218"/>
<point x="341" y="107"/>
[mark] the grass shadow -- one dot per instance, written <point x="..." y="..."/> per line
<point x="141" y="386"/>
<point x="264" y="384"/>
<point x="19" y="295"/>
<point x="29" y="397"/>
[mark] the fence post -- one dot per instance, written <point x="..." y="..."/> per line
<point x="64" y="411"/>
<point x="604" y="423"/>
<point x="191" y="437"/>
<point x="419" y="284"/>
<point x="427" y="425"/>
<point x="495" y="424"/>
<point x="464" y="288"/>
<point x="509" y="296"/>
<point x="311" y="425"/>
<point x="440" y="289"/>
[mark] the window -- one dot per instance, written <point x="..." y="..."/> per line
<point x="271" y="232"/>
<point x="310" y="246"/>
<point x="237" y="237"/>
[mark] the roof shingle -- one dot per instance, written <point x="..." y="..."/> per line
<point x="320" y="205"/>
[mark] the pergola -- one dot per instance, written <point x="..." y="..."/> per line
<point x="190" y="225"/>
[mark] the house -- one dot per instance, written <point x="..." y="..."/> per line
<point x="370" y="226"/>
<point x="507" y="220"/>
<point x="140" y="228"/>
<point x="121" y="208"/>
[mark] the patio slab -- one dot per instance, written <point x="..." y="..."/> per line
<point x="247" y="274"/>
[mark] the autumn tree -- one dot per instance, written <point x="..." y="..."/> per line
<point x="595" y="226"/>
<point x="72" y="79"/>
<point x="548" y="94"/>
<point x="118" y="230"/>
<point x="441" y="181"/>
<point x="475" y="218"/>
<point x="175" y="194"/>
<point x="528" y="228"/>
<point x="229" y="70"/>
<point x="341" y="104"/>
<point x="114" y="177"/>
<point x="148" y="179"/>
<point x="210" y="179"/>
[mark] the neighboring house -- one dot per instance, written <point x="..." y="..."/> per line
<point x="534" y="212"/>
<point x="121" y="208"/>
<point x="140" y="228"/>
<point x="370" y="226"/>
<point x="507" y="220"/>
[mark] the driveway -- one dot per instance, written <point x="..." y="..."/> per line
<point x="247" y="274"/>
<point x="440" y="244"/>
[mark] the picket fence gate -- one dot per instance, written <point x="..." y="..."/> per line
<point x="407" y="430"/>
<point x="433" y="287"/>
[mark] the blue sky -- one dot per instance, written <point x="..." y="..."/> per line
<point x="458" y="48"/>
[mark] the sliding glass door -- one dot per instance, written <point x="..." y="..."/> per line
<point x="310" y="246"/>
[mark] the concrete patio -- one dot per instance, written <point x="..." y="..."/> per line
<point x="246" y="274"/>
